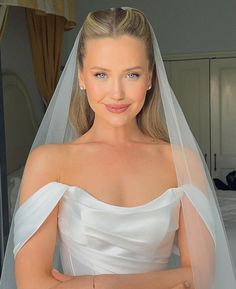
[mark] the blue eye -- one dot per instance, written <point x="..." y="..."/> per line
<point x="97" y="74"/>
<point x="134" y="75"/>
<point x="102" y="75"/>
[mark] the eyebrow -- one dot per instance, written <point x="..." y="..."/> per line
<point x="127" y="69"/>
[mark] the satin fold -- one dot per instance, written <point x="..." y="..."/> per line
<point x="95" y="237"/>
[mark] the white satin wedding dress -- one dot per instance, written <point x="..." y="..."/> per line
<point x="95" y="237"/>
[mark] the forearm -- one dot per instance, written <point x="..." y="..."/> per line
<point x="30" y="280"/>
<point x="47" y="283"/>
<point x="37" y="283"/>
<point x="165" y="279"/>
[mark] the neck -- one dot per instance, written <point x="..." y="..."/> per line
<point x="104" y="132"/>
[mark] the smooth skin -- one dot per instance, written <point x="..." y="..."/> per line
<point x="121" y="159"/>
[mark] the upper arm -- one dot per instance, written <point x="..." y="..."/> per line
<point x="198" y="179"/>
<point x="181" y="233"/>
<point x="34" y="260"/>
<point x="196" y="245"/>
<point x="182" y="242"/>
<point x="197" y="248"/>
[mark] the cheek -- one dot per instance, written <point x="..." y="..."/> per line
<point x="95" y="89"/>
<point x="94" y="92"/>
<point x="139" y="92"/>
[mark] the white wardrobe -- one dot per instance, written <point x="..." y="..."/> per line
<point x="206" y="91"/>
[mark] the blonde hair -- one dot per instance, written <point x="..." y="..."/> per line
<point x="113" y="23"/>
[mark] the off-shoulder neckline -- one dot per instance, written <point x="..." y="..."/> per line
<point x="92" y="199"/>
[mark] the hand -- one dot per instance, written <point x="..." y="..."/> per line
<point x="72" y="282"/>
<point x="182" y="285"/>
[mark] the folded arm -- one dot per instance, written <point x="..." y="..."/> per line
<point x="165" y="279"/>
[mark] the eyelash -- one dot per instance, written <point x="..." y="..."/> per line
<point x="136" y="74"/>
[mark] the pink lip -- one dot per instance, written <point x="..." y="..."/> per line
<point x="116" y="108"/>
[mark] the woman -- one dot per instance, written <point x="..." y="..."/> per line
<point x="122" y="192"/>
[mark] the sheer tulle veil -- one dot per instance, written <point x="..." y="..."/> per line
<point x="207" y="241"/>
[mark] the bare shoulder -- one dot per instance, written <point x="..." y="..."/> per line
<point x="185" y="152"/>
<point x="179" y="151"/>
<point x="42" y="167"/>
<point x="166" y="150"/>
<point x="46" y="157"/>
<point x="50" y="153"/>
<point x="167" y="161"/>
<point x="188" y="161"/>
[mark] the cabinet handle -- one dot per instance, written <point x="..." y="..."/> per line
<point x="205" y="156"/>
<point x="214" y="161"/>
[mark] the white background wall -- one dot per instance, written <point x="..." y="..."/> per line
<point x="182" y="26"/>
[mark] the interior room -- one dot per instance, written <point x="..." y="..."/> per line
<point x="197" y="42"/>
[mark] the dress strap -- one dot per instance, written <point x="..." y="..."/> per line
<point x="34" y="211"/>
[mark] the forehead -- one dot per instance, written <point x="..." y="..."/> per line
<point x="120" y="49"/>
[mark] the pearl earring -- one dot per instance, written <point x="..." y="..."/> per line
<point x="82" y="88"/>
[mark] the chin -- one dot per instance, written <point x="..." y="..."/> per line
<point x="118" y="123"/>
<point x="124" y="122"/>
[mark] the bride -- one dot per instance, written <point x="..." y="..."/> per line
<point x="126" y="192"/>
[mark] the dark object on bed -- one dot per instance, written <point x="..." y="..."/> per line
<point x="220" y="185"/>
<point x="231" y="180"/>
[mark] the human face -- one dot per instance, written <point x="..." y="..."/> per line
<point x="115" y="72"/>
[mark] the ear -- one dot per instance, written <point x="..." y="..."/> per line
<point x="81" y="77"/>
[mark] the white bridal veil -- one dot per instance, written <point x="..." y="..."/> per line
<point x="207" y="241"/>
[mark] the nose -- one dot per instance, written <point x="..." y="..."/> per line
<point x="117" y="91"/>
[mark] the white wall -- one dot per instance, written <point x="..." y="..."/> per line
<point x="182" y="26"/>
<point x="16" y="56"/>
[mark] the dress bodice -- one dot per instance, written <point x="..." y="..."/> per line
<point x="95" y="237"/>
<point x="105" y="238"/>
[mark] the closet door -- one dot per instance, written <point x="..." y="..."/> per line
<point x="190" y="82"/>
<point x="223" y="116"/>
